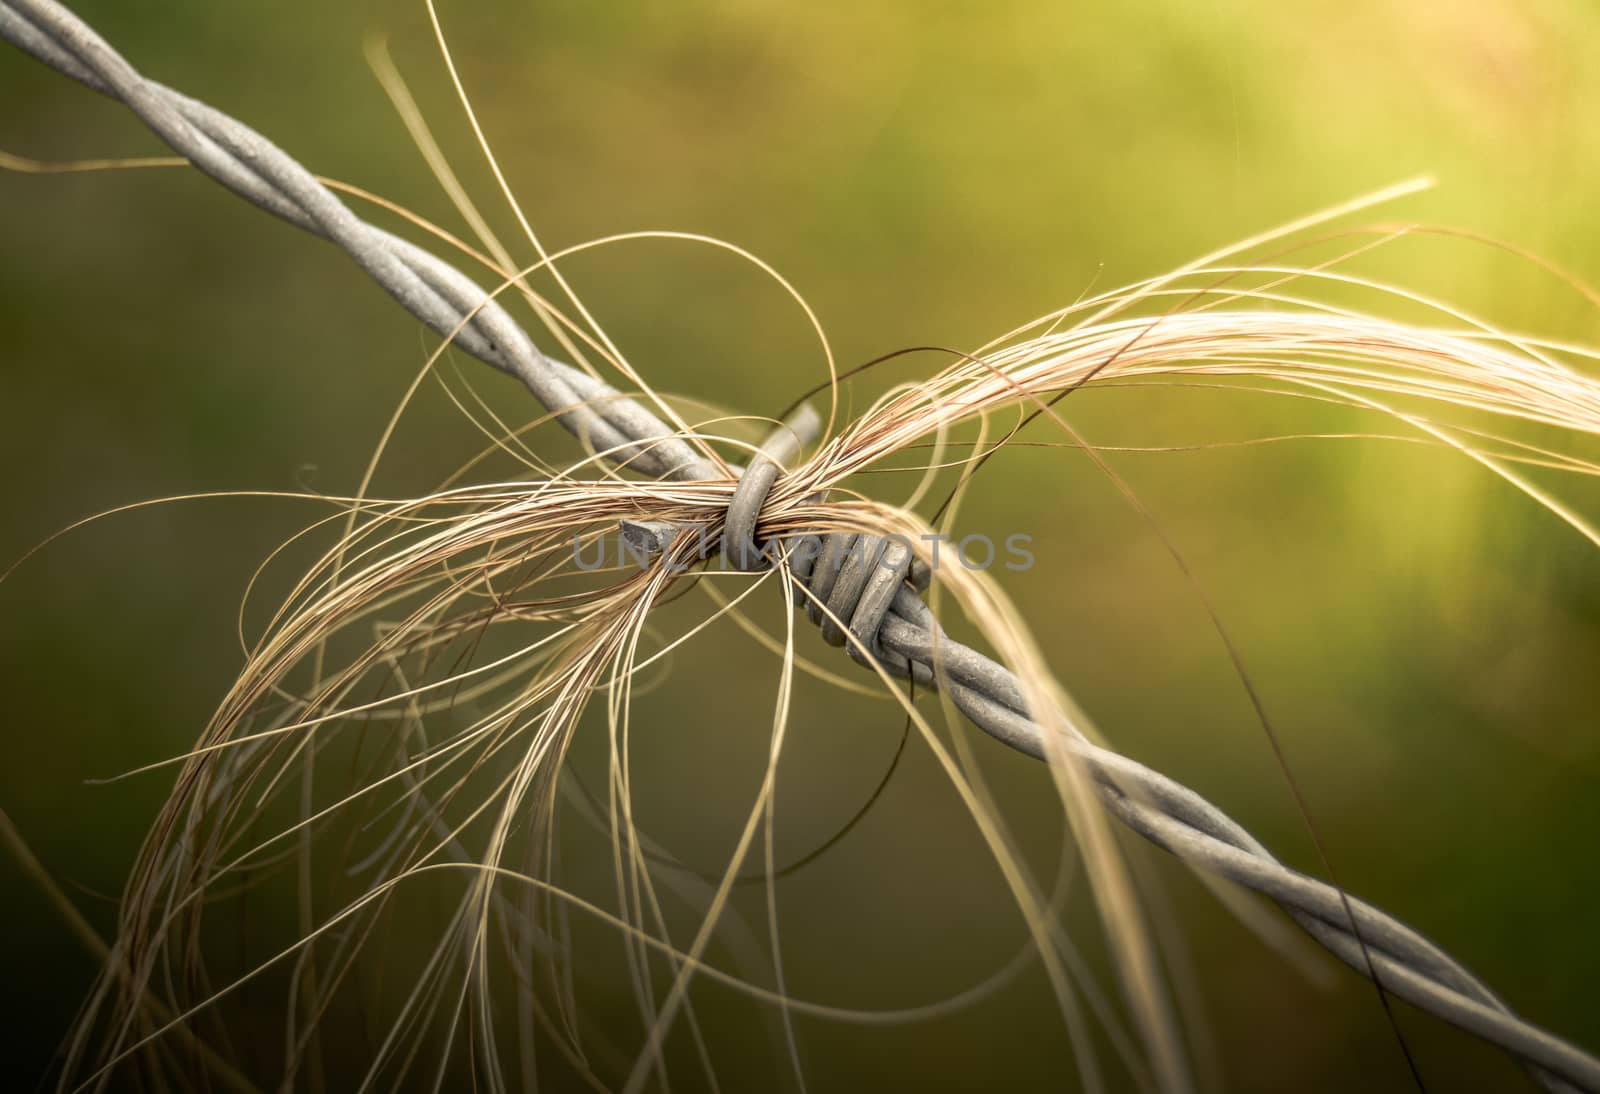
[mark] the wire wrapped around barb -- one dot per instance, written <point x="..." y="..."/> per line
<point x="739" y="545"/>
<point x="853" y="575"/>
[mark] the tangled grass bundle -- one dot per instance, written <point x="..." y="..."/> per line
<point x="391" y="764"/>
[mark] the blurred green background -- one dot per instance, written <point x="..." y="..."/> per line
<point x="926" y="173"/>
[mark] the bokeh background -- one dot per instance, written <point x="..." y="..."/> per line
<point x="925" y="173"/>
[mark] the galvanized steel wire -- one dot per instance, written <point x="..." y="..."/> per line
<point x="866" y="583"/>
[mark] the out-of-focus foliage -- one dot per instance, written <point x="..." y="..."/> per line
<point x="927" y="174"/>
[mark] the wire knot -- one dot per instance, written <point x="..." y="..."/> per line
<point x="852" y="577"/>
<point x="739" y="546"/>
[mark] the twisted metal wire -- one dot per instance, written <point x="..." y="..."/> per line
<point x="434" y="291"/>
<point x="868" y="584"/>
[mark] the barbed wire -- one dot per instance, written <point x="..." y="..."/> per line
<point x="863" y="590"/>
